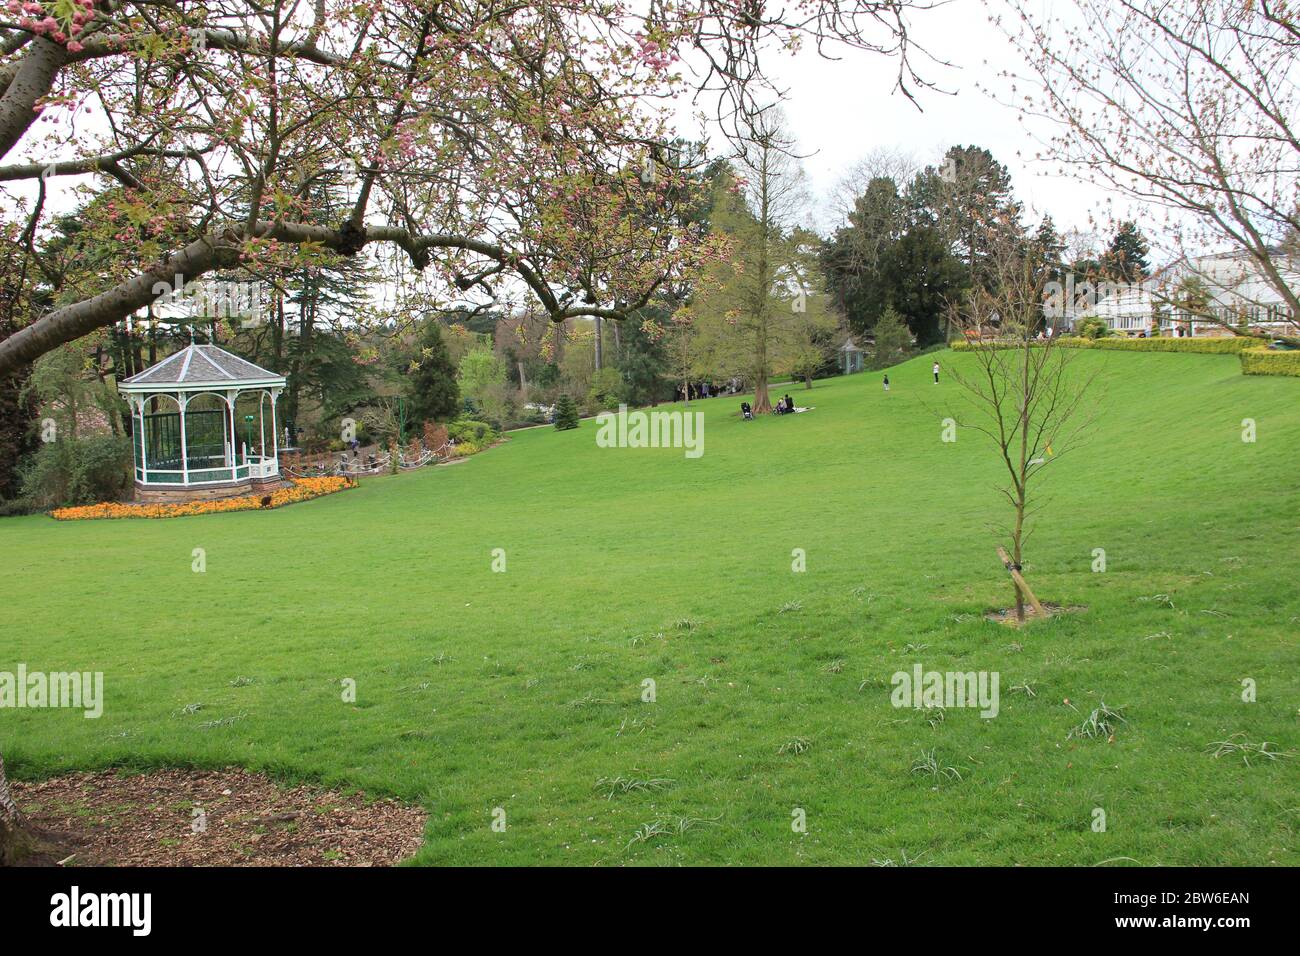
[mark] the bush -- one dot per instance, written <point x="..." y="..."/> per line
<point x="1091" y="328"/>
<point x="17" y="506"/>
<point x="80" y="471"/>
<point x="566" y="414"/>
<point x="606" y="389"/>
<point x="470" y="430"/>
<point x="1259" y="361"/>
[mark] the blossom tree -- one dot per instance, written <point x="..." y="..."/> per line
<point x="498" y="147"/>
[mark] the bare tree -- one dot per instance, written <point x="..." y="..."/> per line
<point x="1188" y="106"/>
<point x="883" y="162"/>
<point x="1024" y="395"/>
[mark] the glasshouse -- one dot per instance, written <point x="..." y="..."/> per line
<point x="204" y="426"/>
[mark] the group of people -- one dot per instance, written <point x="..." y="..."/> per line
<point x="784" y="406"/>
<point x="707" y="389"/>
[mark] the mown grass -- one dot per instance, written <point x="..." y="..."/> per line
<point x="522" y="690"/>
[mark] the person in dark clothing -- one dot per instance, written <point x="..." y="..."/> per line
<point x="789" y="404"/>
<point x="886" y="381"/>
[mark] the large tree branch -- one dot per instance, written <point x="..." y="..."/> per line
<point x="221" y="251"/>
<point x="108" y="162"/>
<point x="33" y="79"/>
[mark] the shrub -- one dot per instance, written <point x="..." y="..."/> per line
<point x="1091" y="328"/>
<point x="471" y="430"/>
<point x="435" y="435"/>
<point x="606" y="389"/>
<point x="17" y="506"/>
<point x="1259" y="361"/>
<point x="77" y="471"/>
<point x="566" y="414"/>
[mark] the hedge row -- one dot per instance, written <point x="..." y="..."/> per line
<point x="1219" y="345"/>
<point x="1223" y="345"/>
<point x="1266" y="362"/>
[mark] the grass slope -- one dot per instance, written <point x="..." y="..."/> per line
<point x="521" y="690"/>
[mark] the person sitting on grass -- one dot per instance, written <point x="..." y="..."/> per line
<point x="789" y="404"/>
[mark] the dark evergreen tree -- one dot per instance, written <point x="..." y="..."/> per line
<point x="852" y="259"/>
<point x="1126" y="259"/>
<point x="1047" y="249"/>
<point x="968" y="200"/>
<point x="921" y="277"/>
<point x="431" y="381"/>
<point x="644" y="364"/>
<point x="566" y="413"/>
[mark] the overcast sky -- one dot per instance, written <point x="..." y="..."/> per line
<point x="840" y="110"/>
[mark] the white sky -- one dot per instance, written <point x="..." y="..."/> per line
<point x="840" y="110"/>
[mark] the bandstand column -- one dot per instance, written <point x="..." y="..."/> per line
<point x="183" y="401"/>
<point x="234" y="437"/>
<point x="144" y="443"/>
<point x="275" y="432"/>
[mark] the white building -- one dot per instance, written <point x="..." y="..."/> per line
<point x="1237" y="292"/>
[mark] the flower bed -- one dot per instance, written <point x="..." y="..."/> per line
<point x="302" y="489"/>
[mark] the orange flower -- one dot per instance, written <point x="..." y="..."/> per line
<point x="301" y="489"/>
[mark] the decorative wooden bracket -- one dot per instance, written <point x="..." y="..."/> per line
<point x="1021" y="584"/>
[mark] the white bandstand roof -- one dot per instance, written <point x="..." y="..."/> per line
<point x="201" y="368"/>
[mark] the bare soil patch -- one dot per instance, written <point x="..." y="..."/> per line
<point x="1007" y="615"/>
<point x="109" y="818"/>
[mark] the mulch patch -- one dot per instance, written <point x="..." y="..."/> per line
<point x="1007" y="615"/>
<point x="109" y="818"/>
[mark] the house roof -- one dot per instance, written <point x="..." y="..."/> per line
<point x="849" y="346"/>
<point x="196" y="367"/>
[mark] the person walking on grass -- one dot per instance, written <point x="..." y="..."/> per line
<point x="936" y="373"/>
<point x="886" y="381"/>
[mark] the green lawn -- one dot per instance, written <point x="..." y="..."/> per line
<point x="521" y="690"/>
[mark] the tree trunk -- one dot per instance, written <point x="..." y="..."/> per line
<point x="1022" y="478"/>
<point x="15" y="841"/>
<point x="762" y="403"/>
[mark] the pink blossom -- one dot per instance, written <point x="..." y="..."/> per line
<point x="75" y="47"/>
<point x="58" y="36"/>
